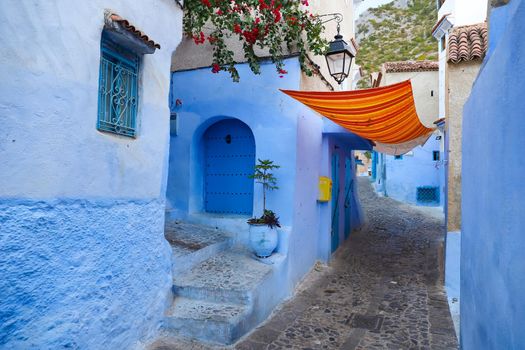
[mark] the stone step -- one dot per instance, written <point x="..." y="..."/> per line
<point x="193" y="244"/>
<point x="230" y="276"/>
<point x="207" y="321"/>
<point x="218" y="295"/>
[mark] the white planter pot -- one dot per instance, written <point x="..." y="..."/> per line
<point x="263" y="240"/>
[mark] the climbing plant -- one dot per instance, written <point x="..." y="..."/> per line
<point x="279" y="26"/>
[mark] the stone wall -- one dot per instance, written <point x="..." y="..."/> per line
<point x="82" y="274"/>
<point x="460" y="78"/>
<point x="83" y="259"/>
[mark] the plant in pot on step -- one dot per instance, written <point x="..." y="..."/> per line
<point x="263" y="233"/>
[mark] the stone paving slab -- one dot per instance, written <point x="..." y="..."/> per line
<point x="230" y="270"/>
<point x="186" y="238"/>
<point x="222" y="323"/>
<point x="201" y="310"/>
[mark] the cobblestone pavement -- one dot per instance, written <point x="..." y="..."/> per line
<point x="382" y="290"/>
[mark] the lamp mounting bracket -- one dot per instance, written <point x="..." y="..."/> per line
<point x="333" y="17"/>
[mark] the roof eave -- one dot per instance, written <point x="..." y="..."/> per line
<point x="443" y="26"/>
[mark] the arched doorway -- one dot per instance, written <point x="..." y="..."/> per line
<point x="229" y="159"/>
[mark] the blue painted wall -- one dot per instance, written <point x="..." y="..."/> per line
<point x="334" y="140"/>
<point x="83" y="259"/>
<point x="257" y="102"/>
<point x="453" y="275"/>
<point x="285" y="131"/>
<point x="86" y="274"/>
<point x="401" y="177"/>
<point x="493" y="220"/>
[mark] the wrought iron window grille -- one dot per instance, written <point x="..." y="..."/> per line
<point x="427" y="194"/>
<point x="118" y="89"/>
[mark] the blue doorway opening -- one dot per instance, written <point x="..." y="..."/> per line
<point x="335" y="202"/>
<point x="229" y="160"/>
<point x="349" y="188"/>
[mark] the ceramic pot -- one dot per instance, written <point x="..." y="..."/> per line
<point x="263" y="240"/>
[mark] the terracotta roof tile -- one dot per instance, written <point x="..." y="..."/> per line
<point x="133" y="30"/>
<point x="467" y="43"/>
<point x="410" y="66"/>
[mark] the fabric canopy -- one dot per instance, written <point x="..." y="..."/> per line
<point x="385" y="115"/>
<point x="400" y="148"/>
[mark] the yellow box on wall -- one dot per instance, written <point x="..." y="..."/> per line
<point x="325" y="189"/>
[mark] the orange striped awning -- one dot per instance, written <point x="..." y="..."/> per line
<point x="385" y="114"/>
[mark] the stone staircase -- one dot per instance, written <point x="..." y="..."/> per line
<point x="217" y="288"/>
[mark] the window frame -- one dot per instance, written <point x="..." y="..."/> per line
<point x="443" y="43"/>
<point x="117" y="62"/>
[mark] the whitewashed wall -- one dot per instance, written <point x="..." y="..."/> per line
<point x="464" y="12"/>
<point x="49" y="66"/>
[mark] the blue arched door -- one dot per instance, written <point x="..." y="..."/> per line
<point x="229" y="158"/>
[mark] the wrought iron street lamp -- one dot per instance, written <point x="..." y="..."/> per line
<point x="339" y="55"/>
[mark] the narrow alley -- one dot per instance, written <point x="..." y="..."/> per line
<point x="262" y="174"/>
<point x="381" y="291"/>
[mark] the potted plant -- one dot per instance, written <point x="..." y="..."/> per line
<point x="263" y="233"/>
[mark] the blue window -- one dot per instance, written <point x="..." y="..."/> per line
<point x="398" y="157"/>
<point x="427" y="195"/>
<point x="118" y="89"/>
<point x="435" y="155"/>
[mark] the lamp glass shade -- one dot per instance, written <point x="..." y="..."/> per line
<point x="339" y="59"/>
